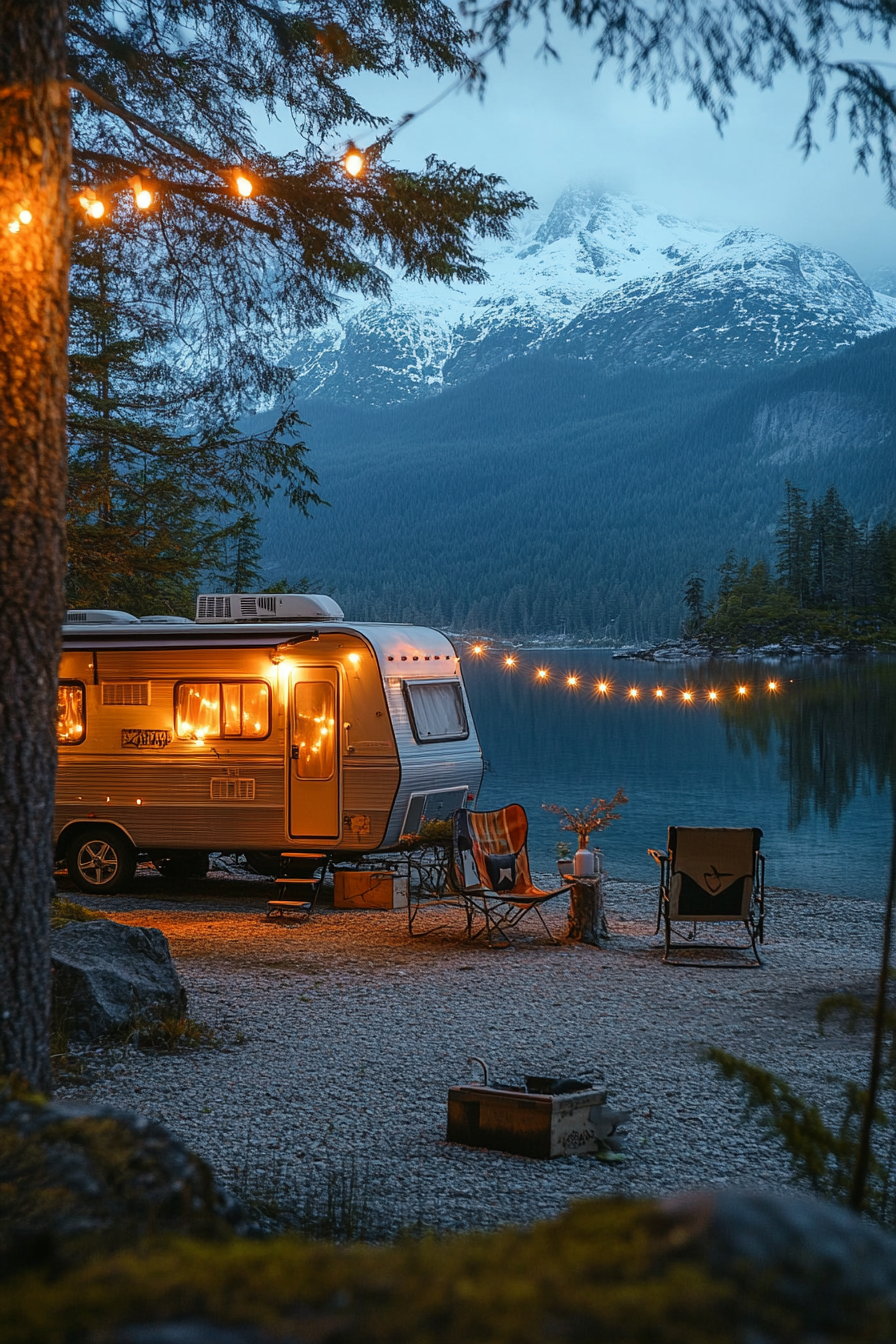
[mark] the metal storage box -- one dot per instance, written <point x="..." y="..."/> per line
<point x="372" y="889"/>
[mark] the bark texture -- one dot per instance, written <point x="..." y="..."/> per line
<point x="34" y="158"/>
<point x="586" y="922"/>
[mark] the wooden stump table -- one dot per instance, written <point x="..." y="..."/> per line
<point x="586" y="922"/>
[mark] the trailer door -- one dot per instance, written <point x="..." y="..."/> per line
<point x="314" y="767"/>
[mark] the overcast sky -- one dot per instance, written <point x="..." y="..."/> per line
<point x="544" y="126"/>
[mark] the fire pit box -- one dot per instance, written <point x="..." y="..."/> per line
<point x="530" y="1124"/>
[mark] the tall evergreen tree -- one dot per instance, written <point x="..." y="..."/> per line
<point x="792" y="535"/>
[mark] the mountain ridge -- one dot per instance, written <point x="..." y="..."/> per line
<point x="602" y="277"/>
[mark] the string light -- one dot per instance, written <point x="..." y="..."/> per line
<point x="573" y="680"/>
<point x="14" y="226"/>
<point x="25" y="216"/>
<point x="143" y="199"/>
<point x="243" y="184"/>
<point x="354" y="162"/>
<point x="96" y="209"/>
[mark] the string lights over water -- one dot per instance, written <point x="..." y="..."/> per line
<point x="604" y="689"/>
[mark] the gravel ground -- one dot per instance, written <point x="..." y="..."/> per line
<point x="343" y="1035"/>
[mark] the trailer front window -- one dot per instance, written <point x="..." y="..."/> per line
<point x="314" y="744"/>
<point x="70" y="726"/>
<point x="215" y="709"/>
<point x="436" y="710"/>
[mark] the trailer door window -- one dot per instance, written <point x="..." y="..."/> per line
<point x="436" y="711"/>
<point x="214" y="709"/>
<point x="70" y="721"/>
<point x="314" y="745"/>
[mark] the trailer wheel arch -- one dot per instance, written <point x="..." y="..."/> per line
<point x="71" y="829"/>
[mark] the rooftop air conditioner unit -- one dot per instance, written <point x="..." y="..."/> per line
<point x="228" y="608"/>
<point x="97" y="616"/>
<point x="167" y="620"/>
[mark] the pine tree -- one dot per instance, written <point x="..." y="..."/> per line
<point x="694" y="605"/>
<point x="792" y="535"/>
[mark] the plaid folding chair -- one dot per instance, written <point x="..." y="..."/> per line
<point x="492" y="871"/>
<point x="711" y="875"/>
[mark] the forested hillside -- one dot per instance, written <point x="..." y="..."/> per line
<point x="546" y="497"/>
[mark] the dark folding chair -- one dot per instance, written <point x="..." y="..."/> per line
<point x="492" y="872"/>
<point x="711" y="875"/>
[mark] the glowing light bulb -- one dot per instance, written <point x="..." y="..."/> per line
<point x="25" y="216"/>
<point x="687" y="696"/>
<point x="542" y="674"/>
<point x="96" y="209"/>
<point x="509" y="662"/>
<point x="143" y="199"/>
<point x="572" y="681"/>
<point x="773" y="686"/>
<point x="741" y="690"/>
<point x="602" y="687"/>
<point x="633" y="693"/>
<point x="14" y="226"/>
<point x="478" y="650"/>
<point x="713" y="695"/>
<point x="243" y="185"/>
<point x="84" y="202"/>
<point x="354" y="659"/>
<point x="659" y="692"/>
<point x="354" y="162"/>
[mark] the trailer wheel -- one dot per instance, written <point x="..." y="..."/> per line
<point x="101" y="860"/>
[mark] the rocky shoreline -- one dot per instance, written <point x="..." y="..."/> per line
<point x="697" y="650"/>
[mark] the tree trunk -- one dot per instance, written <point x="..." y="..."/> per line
<point x="34" y="254"/>
<point x="586" y="922"/>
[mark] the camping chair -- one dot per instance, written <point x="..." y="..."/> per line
<point x="711" y="875"/>
<point x="492" y="871"/>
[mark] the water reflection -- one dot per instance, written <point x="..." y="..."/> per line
<point x="810" y="766"/>
<point x="833" y="733"/>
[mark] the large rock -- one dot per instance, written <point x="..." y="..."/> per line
<point x="108" y="977"/>
<point x="76" y="1179"/>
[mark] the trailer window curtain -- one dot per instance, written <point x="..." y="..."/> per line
<point x="436" y="711"/>
<point x="314" y="743"/>
<point x="71" y="726"/>
<point x="215" y="709"/>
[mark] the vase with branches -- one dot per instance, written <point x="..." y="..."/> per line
<point x="584" y="821"/>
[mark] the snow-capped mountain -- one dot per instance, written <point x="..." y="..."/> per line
<point x="603" y="278"/>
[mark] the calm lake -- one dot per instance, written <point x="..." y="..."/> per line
<point x="810" y="764"/>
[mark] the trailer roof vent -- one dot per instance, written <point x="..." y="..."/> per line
<point x="96" y="616"/>
<point x="167" y="620"/>
<point x="228" y="608"/>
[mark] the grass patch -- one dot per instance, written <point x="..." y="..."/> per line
<point x="63" y="911"/>
<point x="170" y="1033"/>
<point x="338" y="1201"/>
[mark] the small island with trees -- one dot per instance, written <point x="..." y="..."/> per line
<point x="832" y="590"/>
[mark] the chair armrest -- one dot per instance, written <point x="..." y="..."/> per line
<point x="659" y="856"/>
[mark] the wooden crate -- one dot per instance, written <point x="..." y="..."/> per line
<point x="530" y="1124"/>
<point x="370" y="889"/>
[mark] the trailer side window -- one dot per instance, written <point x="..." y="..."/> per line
<point x="314" y="744"/>
<point x="436" y="711"/>
<point x="71" y="725"/>
<point x="215" y="709"/>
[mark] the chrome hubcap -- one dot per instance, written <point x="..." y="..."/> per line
<point x="97" y="862"/>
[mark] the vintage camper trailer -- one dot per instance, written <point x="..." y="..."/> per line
<point x="267" y="725"/>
